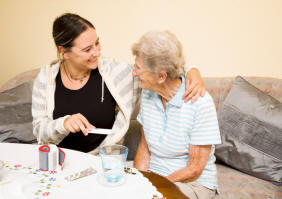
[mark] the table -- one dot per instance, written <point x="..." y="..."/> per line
<point x="167" y="188"/>
<point x="25" y="154"/>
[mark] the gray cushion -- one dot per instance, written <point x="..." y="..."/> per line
<point x="132" y="139"/>
<point x="15" y="115"/>
<point x="250" y="123"/>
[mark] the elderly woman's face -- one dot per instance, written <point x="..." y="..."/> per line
<point x="147" y="78"/>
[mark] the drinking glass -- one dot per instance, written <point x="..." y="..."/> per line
<point x="113" y="161"/>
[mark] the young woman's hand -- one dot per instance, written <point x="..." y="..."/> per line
<point x="77" y="122"/>
<point x="195" y="86"/>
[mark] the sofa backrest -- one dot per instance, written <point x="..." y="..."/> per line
<point x="218" y="87"/>
<point x="28" y="76"/>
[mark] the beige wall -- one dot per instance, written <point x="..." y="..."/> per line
<point x="221" y="37"/>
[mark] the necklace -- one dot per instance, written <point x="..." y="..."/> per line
<point x="69" y="75"/>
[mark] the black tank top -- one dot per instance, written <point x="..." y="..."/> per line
<point x="87" y="101"/>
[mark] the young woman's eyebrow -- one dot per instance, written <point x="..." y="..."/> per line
<point x="90" y="45"/>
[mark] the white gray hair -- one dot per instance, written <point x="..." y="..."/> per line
<point x="161" y="51"/>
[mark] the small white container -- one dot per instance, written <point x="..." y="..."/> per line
<point x="53" y="158"/>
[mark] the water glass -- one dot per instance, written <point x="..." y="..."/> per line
<point x="113" y="161"/>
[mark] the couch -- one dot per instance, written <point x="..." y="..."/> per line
<point x="233" y="183"/>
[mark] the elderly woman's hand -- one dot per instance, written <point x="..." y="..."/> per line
<point x="195" y="86"/>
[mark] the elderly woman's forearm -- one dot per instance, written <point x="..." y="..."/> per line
<point x="198" y="157"/>
<point x="142" y="157"/>
<point x="141" y="163"/>
<point x="186" y="174"/>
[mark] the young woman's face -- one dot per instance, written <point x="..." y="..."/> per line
<point x="85" y="51"/>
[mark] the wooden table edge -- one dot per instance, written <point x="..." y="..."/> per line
<point x="163" y="185"/>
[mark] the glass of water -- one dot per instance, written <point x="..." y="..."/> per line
<point x="113" y="161"/>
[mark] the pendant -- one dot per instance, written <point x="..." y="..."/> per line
<point x="81" y="79"/>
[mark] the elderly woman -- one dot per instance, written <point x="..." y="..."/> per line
<point x="177" y="138"/>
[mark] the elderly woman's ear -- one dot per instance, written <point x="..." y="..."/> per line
<point x="162" y="77"/>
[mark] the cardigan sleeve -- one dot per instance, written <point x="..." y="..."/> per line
<point x="45" y="128"/>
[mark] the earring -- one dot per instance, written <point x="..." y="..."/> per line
<point x="60" y="56"/>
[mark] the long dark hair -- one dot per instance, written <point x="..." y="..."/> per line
<point x="67" y="27"/>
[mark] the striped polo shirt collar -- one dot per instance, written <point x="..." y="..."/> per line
<point x="175" y="101"/>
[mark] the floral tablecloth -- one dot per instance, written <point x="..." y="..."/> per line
<point x="21" y="178"/>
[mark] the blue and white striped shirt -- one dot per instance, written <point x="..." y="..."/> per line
<point x="170" y="132"/>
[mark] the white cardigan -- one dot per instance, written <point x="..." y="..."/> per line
<point x="118" y="78"/>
